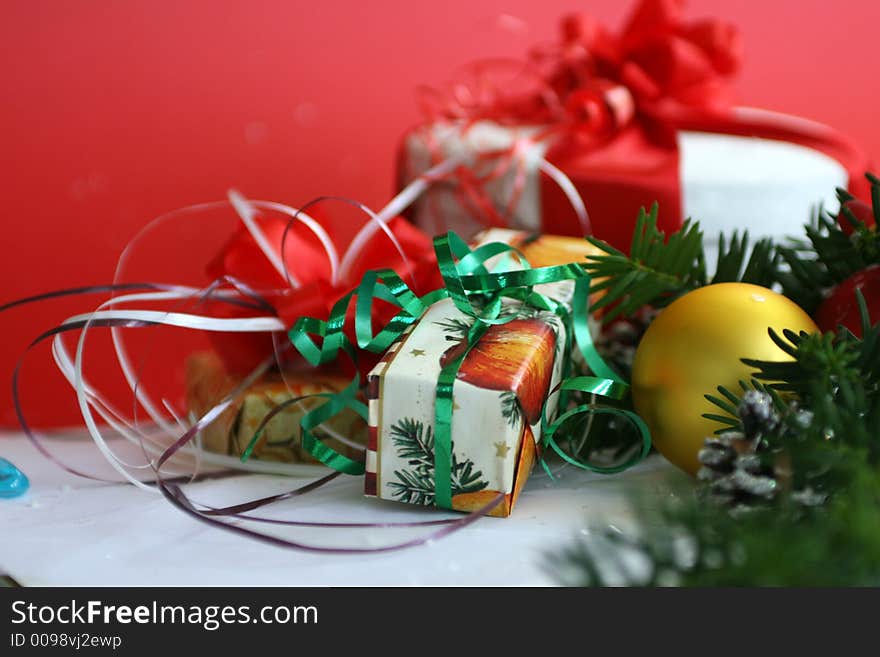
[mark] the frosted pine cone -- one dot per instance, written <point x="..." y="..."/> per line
<point x="735" y="472"/>
<point x="758" y="414"/>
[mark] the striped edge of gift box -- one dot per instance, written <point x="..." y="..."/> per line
<point x="374" y="393"/>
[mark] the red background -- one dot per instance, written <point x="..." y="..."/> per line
<point x="115" y="112"/>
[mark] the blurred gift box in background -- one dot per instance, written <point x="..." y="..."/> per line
<point x="116" y="112"/>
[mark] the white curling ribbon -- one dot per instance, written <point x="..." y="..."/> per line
<point x="519" y="155"/>
<point x="88" y="398"/>
<point x="787" y="121"/>
<point x="571" y="192"/>
<point x="522" y="149"/>
<point x="140" y="394"/>
<point x="105" y="409"/>
<point x="247" y="213"/>
<point x="311" y="224"/>
<point x="92" y="427"/>
<point x="380" y="224"/>
<point x="406" y="197"/>
<point x="178" y="293"/>
<point x="245" y="210"/>
<point x="186" y="320"/>
<point x="112" y="417"/>
<point x="92" y="402"/>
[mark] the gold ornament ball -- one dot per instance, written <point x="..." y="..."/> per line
<point x="693" y="346"/>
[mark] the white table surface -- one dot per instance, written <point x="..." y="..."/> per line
<point x="71" y="531"/>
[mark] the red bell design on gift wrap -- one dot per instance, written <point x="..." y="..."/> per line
<point x="500" y="361"/>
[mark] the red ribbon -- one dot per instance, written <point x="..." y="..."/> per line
<point x="315" y="293"/>
<point x="613" y="104"/>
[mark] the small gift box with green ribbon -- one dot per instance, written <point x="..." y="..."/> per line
<point x="475" y="379"/>
<point x="501" y="388"/>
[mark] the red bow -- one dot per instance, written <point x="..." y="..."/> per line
<point x="595" y="81"/>
<point x="313" y="291"/>
<point x="663" y="62"/>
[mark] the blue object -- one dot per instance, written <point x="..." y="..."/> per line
<point x="13" y="482"/>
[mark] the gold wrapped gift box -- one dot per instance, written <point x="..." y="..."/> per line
<point x="208" y="383"/>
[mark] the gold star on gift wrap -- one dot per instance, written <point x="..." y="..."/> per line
<point x="417" y="352"/>
<point x="501" y="450"/>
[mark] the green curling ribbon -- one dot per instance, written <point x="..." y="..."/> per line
<point x="336" y="402"/>
<point x="601" y="387"/>
<point x="477" y="292"/>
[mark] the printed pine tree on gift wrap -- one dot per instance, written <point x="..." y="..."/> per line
<point x="415" y="443"/>
<point x="510" y="407"/>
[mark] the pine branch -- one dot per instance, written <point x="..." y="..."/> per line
<point x="829" y="255"/>
<point x="834" y="377"/>
<point x="661" y="268"/>
<point x="729" y="402"/>
<point x="831" y="454"/>
<point x="464" y="478"/>
<point x="528" y="311"/>
<point x="657" y="270"/>
<point x="413" y="488"/>
<point x="814" y="420"/>
<point x="825" y="365"/>
<point x="761" y="268"/>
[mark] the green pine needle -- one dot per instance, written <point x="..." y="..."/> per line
<point x="660" y="268"/>
<point x="657" y="270"/>
<point x="828" y="256"/>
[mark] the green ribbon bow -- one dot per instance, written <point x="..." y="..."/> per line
<point x="477" y="292"/>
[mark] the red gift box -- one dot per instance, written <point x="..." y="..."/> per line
<point x="620" y="121"/>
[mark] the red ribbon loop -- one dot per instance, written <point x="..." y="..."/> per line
<point x="659" y="58"/>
